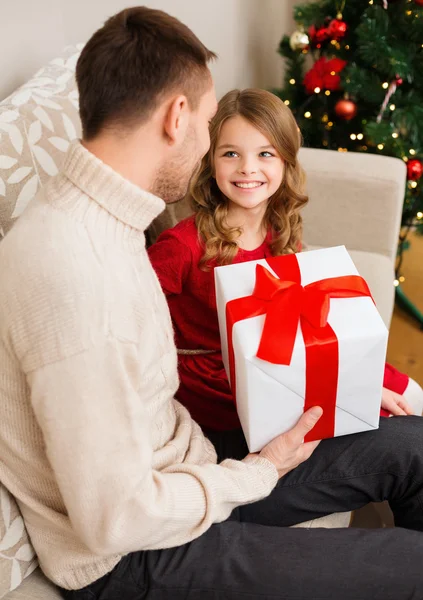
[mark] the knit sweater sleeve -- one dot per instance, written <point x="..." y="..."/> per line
<point x="98" y="438"/>
<point x="171" y="259"/>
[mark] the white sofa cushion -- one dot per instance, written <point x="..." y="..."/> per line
<point x="378" y="271"/>
<point x="35" y="587"/>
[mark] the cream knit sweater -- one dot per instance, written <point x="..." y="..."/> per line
<point x="101" y="458"/>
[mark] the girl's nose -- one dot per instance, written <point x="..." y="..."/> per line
<point x="248" y="168"/>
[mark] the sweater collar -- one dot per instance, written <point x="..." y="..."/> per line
<point x="124" y="200"/>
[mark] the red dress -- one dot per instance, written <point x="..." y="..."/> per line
<point x="204" y="387"/>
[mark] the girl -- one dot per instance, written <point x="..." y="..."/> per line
<point x="247" y="197"/>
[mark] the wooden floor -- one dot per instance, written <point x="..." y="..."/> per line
<point x="405" y="348"/>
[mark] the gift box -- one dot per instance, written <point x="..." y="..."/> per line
<point x="298" y="331"/>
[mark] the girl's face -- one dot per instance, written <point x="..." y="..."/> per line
<point x="248" y="169"/>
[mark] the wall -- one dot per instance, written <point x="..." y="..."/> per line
<point x="31" y="32"/>
<point x="244" y="33"/>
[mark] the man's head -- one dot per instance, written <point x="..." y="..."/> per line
<point x="143" y="81"/>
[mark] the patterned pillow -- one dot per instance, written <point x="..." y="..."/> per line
<point x="37" y="122"/>
<point x="17" y="556"/>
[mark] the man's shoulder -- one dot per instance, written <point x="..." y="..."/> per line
<point x="44" y="243"/>
<point x="45" y="259"/>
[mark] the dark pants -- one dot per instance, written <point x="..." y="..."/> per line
<point x="255" y="555"/>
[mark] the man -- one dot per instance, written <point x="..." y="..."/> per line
<point x="119" y="489"/>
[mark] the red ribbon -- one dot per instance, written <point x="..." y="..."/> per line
<point x="287" y="304"/>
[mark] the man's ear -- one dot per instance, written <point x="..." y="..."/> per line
<point x="176" y="120"/>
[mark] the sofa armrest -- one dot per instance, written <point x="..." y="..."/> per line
<point x="355" y="200"/>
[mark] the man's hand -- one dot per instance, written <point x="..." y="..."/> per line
<point x="288" y="450"/>
<point x="395" y="403"/>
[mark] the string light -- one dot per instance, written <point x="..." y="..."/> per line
<point x="287" y="102"/>
<point x="413" y="184"/>
<point x="347" y="47"/>
<point x="360" y="136"/>
<point x="370" y="2"/>
<point x="419" y="215"/>
<point x="307" y="114"/>
<point x="353" y="136"/>
<point x="405" y="159"/>
<point x="392" y="106"/>
<point x="385" y="85"/>
<point x="395" y="135"/>
<point x="325" y="118"/>
<point x="327" y="93"/>
<point x="316" y="90"/>
<point x="342" y="149"/>
<point x="401" y="279"/>
<point x="380" y="146"/>
<point x="408" y="13"/>
<point x="412" y="151"/>
<point x="292" y="81"/>
<point x="396" y="282"/>
<point x="332" y="73"/>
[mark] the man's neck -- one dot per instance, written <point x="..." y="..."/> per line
<point x="126" y="157"/>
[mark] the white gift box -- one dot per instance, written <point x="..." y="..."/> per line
<point x="270" y="397"/>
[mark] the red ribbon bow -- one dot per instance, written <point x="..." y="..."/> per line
<point x="287" y="304"/>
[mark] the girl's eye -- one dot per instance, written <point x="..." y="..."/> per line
<point x="266" y="154"/>
<point x="230" y="154"/>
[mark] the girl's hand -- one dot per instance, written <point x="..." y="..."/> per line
<point x="395" y="403"/>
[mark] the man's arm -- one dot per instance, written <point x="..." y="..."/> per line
<point x="99" y="440"/>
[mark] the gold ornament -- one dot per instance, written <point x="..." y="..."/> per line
<point x="299" y="40"/>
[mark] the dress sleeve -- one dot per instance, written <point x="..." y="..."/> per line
<point x="171" y="259"/>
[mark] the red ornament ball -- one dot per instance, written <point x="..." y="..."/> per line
<point x="346" y="109"/>
<point x="414" y="169"/>
<point x="337" y="29"/>
<point x="419" y="2"/>
<point x="318" y="35"/>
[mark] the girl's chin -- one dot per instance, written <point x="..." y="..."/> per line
<point x="248" y="203"/>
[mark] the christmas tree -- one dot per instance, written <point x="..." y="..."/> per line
<point x="354" y="81"/>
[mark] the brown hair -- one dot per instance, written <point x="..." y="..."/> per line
<point x="128" y="65"/>
<point x="275" y="120"/>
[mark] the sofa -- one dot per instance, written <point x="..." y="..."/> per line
<point x="355" y="200"/>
